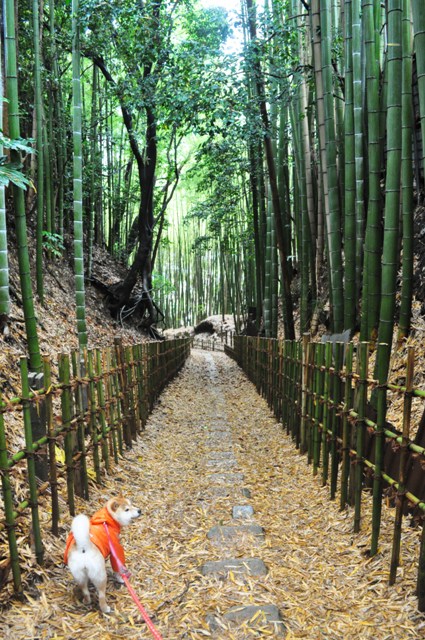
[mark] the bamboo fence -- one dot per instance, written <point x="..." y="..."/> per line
<point x="98" y="407"/>
<point x="336" y="414"/>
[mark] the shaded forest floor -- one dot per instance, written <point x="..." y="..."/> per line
<point x="318" y="576"/>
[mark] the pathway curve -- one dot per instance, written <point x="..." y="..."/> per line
<point x="237" y="540"/>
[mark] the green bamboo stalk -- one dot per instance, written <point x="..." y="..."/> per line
<point x="333" y="217"/>
<point x="8" y="508"/>
<point x="419" y="39"/>
<point x="38" y="103"/>
<point x="407" y="206"/>
<point x="78" y="180"/>
<point x="346" y="426"/>
<point x="373" y="237"/>
<point x="360" y="432"/>
<point x="402" y="476"/>
<point x="350" y="302"/>
<point x="66" y="411"/>
<point x="4" y="264"/>
<point x="18" y="195"/>
<point x="381" y="406"/>
<point x="391" y="252"/>
<point x="32" y="480"/>
<point x="53" y="471"/>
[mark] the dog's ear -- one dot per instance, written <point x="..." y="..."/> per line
<point x="113" y="505"/>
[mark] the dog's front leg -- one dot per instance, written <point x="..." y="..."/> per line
<point x="118" y="577"/>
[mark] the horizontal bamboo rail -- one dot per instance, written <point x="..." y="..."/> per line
<point x="324" y="396"/>
<point x="96" y="409"/>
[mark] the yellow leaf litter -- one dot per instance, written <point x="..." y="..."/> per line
<point x="319" y="576"/>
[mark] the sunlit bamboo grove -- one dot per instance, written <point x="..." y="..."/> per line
<point x="263" y="162"/>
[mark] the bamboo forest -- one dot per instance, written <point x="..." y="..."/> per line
<point x="212" y="317"/>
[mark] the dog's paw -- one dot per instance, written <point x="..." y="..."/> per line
<point x="118" y="578"/>
<point x="86" y="600"/>
<point x="106" y="609"/>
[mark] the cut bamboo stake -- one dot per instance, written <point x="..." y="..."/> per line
<point x="32" y="480"/>
<point x="346" y="426"/>
<point x="381" y="405"/>
<point x="318" y="390"/>
<point x="401" y="493"/>
<point x="66" y="411"/>
<point x="101" y="408"/>
<point x="326" y="412"/>
<point x="336" y="419"/>
<point x="360" y="433"/>
<point x="53" y="471"/>
<point x="79" y="414"/>
<point x="8" y="508"/>
<point x="93" y="416"/>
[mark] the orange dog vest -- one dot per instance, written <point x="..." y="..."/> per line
<point x="99" y="537"/>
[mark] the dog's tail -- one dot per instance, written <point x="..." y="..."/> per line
<point x="81" y="529"/>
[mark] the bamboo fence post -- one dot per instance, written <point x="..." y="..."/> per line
<point x="101" y="408"/>
<point x="310" y="401"/>
<point x="93" y="416"/>
<point x="336" y="421"/>
<point x="304" y="391"/>
<point x="66" y="411"/>
<point x="318" y="390"/>
<point x="420" y="586"/>
<point x="29" y="452"/>
<point x="401" y="491"/>
<point x="122" y="377"/>
<point x="279" y="377"/>
<point x="53" y="470"/>
<point x="130" y="391"/>
<point x="111" y="403"/>
<point x="360" y="433"/>
<point x="79" y="414"/>
<point x="381" y="405"/>
<point x="115" y="390"/>
<point x="346" y="425"/>
<point x="139" y="378"/>
<point x="8" y="508"/>
<point x="326" y="412"/>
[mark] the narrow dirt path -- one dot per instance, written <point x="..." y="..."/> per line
<point x="218" y="480"/>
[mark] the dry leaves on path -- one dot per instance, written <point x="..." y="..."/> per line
<point x="319" y="577"/>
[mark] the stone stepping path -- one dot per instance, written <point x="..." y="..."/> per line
<point x="225" y="480"/>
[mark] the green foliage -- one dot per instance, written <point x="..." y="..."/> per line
<point x="53" y="243"/>
<point x="161" y="283"/>
<point x="11" y="171"/>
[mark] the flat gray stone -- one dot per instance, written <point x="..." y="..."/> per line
<point x="246" y="492"/>
<point x="226" y="477"/>
<point x="245" y="566"/>
<point x="242" y="511"/>
<point x="222" y="455"/>
<point x="263" y="614"/>
<point x="232" y="534"/>
<point x="224" y="464"/>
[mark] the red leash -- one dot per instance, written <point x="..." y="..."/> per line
<point x="124" y="573"/>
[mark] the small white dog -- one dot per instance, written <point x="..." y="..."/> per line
<point x="89" y="545"/>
